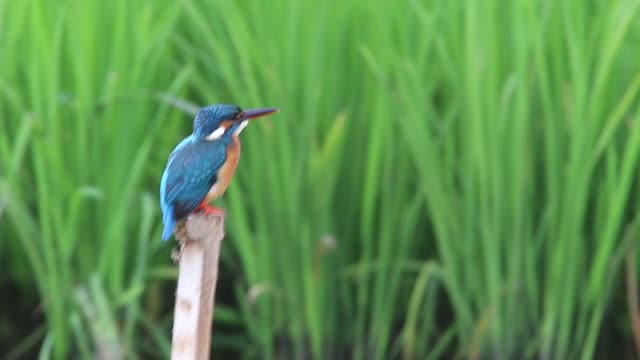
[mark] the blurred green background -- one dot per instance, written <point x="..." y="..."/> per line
<point x="446" y="179"/>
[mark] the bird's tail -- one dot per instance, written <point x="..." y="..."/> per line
<point x="169" y="224"/>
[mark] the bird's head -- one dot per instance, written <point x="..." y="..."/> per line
<point x="216" y="121"/>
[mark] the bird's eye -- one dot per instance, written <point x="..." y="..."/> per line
<point x="216" y="134"/>
<point x="239" y="115"/>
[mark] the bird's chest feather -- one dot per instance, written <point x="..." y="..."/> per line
<point x="226" y="171"/>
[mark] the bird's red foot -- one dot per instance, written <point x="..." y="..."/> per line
<point x="207" y="209"/>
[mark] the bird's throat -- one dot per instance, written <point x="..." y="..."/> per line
<point x="241" y="127"/>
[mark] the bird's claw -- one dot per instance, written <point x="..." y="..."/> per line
<point x="207" y="210"/>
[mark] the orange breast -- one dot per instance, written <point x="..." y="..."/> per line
<point x="225" y="174"/>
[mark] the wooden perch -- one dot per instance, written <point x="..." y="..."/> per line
<point x="200" y="237"/>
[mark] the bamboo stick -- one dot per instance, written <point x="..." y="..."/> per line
<point x="200" y="238"/>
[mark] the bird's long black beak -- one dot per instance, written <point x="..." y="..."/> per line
<point x="256" y="113"/>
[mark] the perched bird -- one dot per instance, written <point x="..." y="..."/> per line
<point x="201" y="166"/>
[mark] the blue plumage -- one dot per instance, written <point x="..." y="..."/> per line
<point x="193" y="166"/>
<point x="188" y="177"/>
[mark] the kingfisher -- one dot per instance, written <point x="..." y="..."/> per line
<point x="202" y="165"/>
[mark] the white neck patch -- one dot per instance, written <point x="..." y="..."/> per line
<point x="216" y="134"/>
<point x="243" y="125"/>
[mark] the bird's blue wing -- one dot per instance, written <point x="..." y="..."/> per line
<point x="190" y="174"/>
<point x="163" y="182"/>
<point x="183" y="143"/>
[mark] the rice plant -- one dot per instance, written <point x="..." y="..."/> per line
<point x="446" y="179"/>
